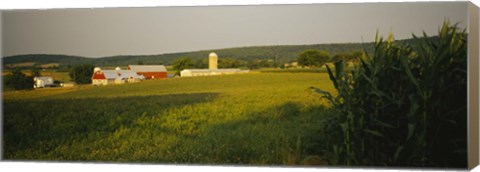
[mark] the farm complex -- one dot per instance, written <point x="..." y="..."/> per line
<point x="135" y="73"/>
<point x="212" y="69"/>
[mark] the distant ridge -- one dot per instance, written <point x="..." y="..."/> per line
<point x="282" y="54"/>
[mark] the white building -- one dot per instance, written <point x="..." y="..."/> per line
<point x="212" y="69"/>
<point x="208" y="72"/>
<point x="42" y="81"/>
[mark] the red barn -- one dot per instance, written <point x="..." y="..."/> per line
<point x="150" y="71"/>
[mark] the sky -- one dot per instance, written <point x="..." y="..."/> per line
<point x="101" y="32"/>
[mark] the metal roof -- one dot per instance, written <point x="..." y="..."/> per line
<point x="122" y="74"/>
<point x="148" y="68"/>
<point x="43" y="77"/>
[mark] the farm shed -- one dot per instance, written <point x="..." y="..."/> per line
<point x="68" y="84"/>
<point x="208" y="72"/>
<point x="117" y="76"/>
<point x="42" y="81"/>
<point x="150" y="71"/>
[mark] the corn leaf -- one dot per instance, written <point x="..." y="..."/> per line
<point x="375" y="133"/>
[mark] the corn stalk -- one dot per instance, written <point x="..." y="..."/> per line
<point x="405" y="105"/>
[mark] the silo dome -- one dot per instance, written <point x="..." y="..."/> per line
<point x="118" y="68"/>
<point x="96" y="69"/>
<point x="212" y="54"/>
<point x="212" y="61"/>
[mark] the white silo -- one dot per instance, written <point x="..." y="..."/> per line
<point x="212" y="61"/>
<point x="118" y="68"/>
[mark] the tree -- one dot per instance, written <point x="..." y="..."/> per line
<point x="36" y="72"/>
<point x="82" y="74"/>
<point x="253" y="64"/>
<point x="347" y="57"/>
<point x="229" y="62"/>
<point x="339" y="57"/>
<point x="18" y="80"/>
<point x="182" y="63"/>
<point x="313" y="58"/>
<point x="356" y="56"/>
<point x="201" y="63"/>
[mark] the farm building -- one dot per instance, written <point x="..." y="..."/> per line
<point x="149" y="71"/>
<point x="212" y="69"/>
<point x="68" y="84"/>
<point x="117" y="76"/>
<point x="207" y="72"/>
<point x="293" y="64"/>
<point x="42" y="81"/>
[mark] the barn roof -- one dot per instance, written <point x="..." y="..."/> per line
<point x="113" y="74"/>
<point x="147" y="68"/>
<point x="43" y="78"/>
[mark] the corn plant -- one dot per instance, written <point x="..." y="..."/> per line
<point x="404" y="105"/>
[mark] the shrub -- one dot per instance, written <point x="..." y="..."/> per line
<point x="403" y="106"/>
<point x="181" y="64"/>
<point x="313" y="58"/>
<point x="18" y="80"/>
<point x="82" y="74"/>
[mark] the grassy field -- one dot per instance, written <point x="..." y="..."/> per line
<point x="321" y="69"/>
<point x="59" y="76"/>
<point x="254" y="119"/>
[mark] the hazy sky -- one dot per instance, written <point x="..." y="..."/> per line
<point x="138" y="31"/>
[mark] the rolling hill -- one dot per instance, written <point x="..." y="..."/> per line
<point x="281" y="53"/>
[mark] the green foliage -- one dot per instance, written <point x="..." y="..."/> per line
<point x="18" y="80"/>
<point x="82" y="74"/>
<point x="36" y="72"/>
<point x="47" y="58"/>
<point x="229" y="62"/>
<point x="201" y="63"/>
<point x="260" y="63"/>
<point x="403" y="106"/>
<point x="313" y="58"/>
<point x="235" y="119"/>
<point x="182" y="63"/>
<point x="347" y="57"/>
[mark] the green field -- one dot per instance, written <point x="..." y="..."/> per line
<point x="254" y="119"/>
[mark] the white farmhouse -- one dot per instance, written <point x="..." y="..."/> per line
<point x="42" y="81"/>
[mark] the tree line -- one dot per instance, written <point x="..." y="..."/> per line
<point x="19" y="80"/>
<point x="316" y="58"/>
<point x="82" y="73"/>
<point x="307" y="58"/>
